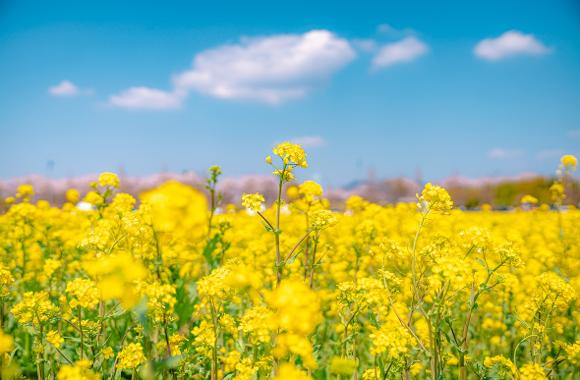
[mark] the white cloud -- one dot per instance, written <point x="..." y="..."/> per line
<point x="147" y="98"/>
<point x="365" y="44"/>
<point x="270" y="69"/>
<point x="309" y="141"/>
<point x="405" y="50"/>
<point x="391" y="31"/>
<point x="574" y="134"/>
<point x="509" y="44"/>
<point x="64" y="88"/>
<point x="501" y="153"/>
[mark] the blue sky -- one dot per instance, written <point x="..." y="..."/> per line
<point x="475" y="88"/>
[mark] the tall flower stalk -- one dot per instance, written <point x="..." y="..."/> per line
<point x="291" y="156"/>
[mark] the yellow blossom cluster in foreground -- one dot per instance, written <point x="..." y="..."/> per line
<point x="173" y="285"/>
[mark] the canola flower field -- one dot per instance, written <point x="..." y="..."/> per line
<point x="175" y="286"/>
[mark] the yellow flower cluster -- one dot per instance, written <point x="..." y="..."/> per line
<point x="553" y="291"/>
<point x="289" y="372"/>
<point x="117" y="276"/>
<point x="532" y="371"/>
<point x="529" y="199"/>
<point x="83" y="293"/>
<point x="25" y="191"/>
<point x="6" y="343"/>
<point x="505" y="366"/>
<point x="108" y="180"/>
<point x="6" y="281"/>
<point x="573" y="353"/>
<point x="322" y="219"/>
<point x="569" y="161"/>
<point x="78" y="371"/>
<point x="107" y="353"/>
<point x="131" y="356"/>
<point x="296" y="315"/>
<point x="72" y="195"/>
<point x="291" y="154"/>
<point x="342" y="366"/>
<point x="253" y="202"/>
<point x="160" y="300"/>
<point x="256" y="323"/>
<point x="393" y="340"/>
<point x="35" y="308"/>
<point x="54" y="338"/>
<point x="175" y="342"/>
<point x="434" y="199"/>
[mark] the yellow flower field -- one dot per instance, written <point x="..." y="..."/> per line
<point x="176" y="286"/>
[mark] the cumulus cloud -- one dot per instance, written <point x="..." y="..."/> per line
<point x="391" y="31"/>
<point x="147" y="98"/>
<point x="406" y="50"/>
<point x="309" y="141"/>
<point x="502" y="153"/>
<point x="509" y="44"/>
<point x="367" y="45"/>
<point x="64" y="88"/>
<point x="270" y="69"/>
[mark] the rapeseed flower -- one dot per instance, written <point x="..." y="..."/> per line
<point x="6" y="343"/>
<point x="291" y="154"/>
<point x="131" y="356"/>
<point x="77" y="371"/>
<point x="434" y="198"/>
<point x="108" y="180"/>
<point x="253" y="202"/>
<point x="83" y="292"/>
<point x="569" y="161"/>
<point x="54" y="338"/>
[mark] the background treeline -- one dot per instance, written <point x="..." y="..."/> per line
<point x="470" y="194"/>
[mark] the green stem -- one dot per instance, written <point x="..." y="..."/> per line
<point x="277" y="230"/>
<point x="290" y="254"/>
<point x="313" y="262"/>
<point x="211" y="213"/>
<point x="214" y="360"/>
<point x="167" y="343"/>
<point x="81" y="332"/>
<point x="63" y="355"/>
<point x="40" y="356"/>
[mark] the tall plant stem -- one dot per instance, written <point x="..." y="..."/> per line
<point x="211" y="213"/>
<point x="214" y="360"/>
<point x="81" y="331"/>
<point x="277" y="230"/>
<point x="167" y="343"/>
<point x="40" y="356"/>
